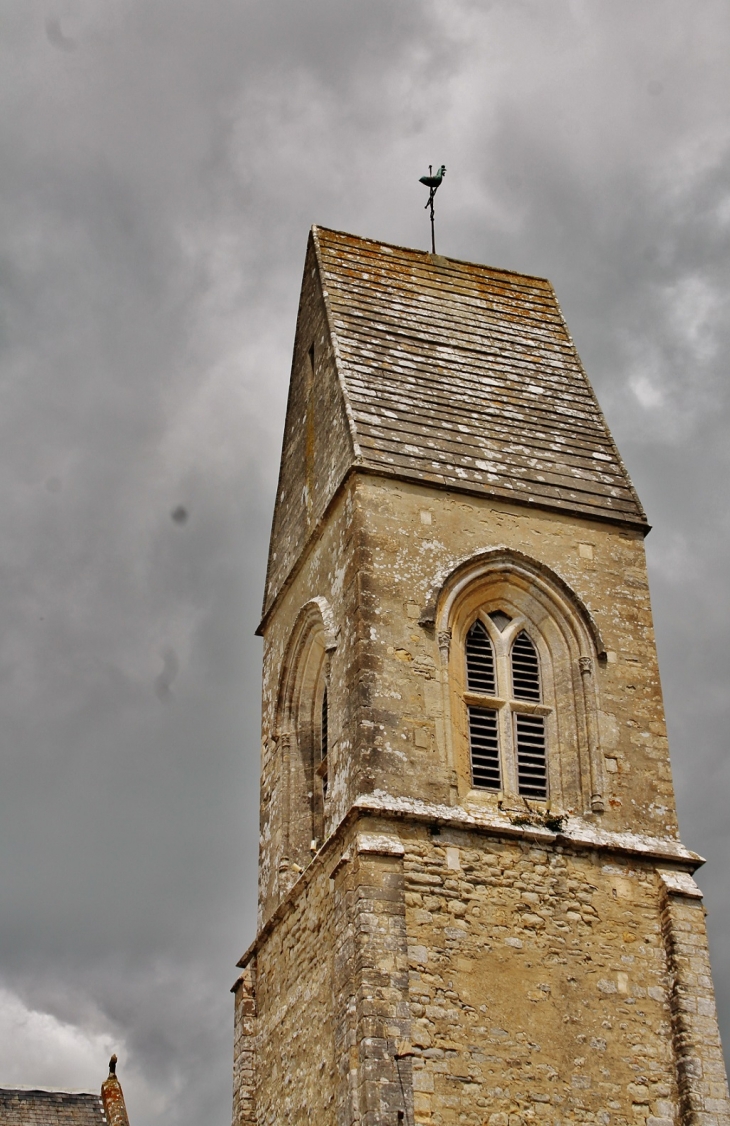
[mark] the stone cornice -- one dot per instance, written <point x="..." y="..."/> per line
<point x="577" y="835"/>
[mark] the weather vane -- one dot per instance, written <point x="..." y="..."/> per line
<point x="433" y="182"/>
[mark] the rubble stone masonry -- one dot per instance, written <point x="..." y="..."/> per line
<point x="462" y="976"/>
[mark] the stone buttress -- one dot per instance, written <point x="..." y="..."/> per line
<point x="474" y="904"/>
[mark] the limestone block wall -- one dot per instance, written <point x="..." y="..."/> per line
<point x="539" y="985"/>
<point x="330" y="572"/>
<point x="245" y="1028"/>
<point x="371" y="983"/>
<point x="322" y="1019"/>
<point x="378" y="562"/>
<point x="293" y="1043"/>
<point x="441" y="964"/>
<point x="703" y="1089"/>
<point x="423" y="973"/>
<point x="412" y="537"/>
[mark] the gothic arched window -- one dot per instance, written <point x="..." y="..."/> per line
<point x="521" y="650"/>
<point x="506" y="717"/>
<point x="307" y="744"/>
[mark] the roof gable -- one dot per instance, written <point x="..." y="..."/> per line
<point x="318" y="448"/>
<point x="443" y="372"/>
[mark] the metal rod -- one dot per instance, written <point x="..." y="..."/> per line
<point x="432" y="183"/>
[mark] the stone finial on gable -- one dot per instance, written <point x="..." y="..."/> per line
<point x="112" y="1097"/>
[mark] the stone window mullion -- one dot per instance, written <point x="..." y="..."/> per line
<point x="506" y="734"/>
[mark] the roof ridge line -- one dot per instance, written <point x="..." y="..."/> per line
<point x="24" y="1089"/>
<point x="427" y="254"/>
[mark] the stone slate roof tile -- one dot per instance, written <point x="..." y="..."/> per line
<point x="50" y="1108"/>
<point x="466" y="376"/>
<point x="441" y="372"/>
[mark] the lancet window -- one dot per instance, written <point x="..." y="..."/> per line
<point x="522" y="652"/>
<point x="304" y="732"/>
<point x="507" y="719"/>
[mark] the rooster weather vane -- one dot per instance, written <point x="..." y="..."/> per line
<point x="433" y="183"/>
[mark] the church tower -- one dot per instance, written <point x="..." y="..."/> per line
<point x="474" y="904"/>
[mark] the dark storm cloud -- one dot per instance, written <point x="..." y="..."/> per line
<point x="161" y="163"/>
<point x="56" y="36"/>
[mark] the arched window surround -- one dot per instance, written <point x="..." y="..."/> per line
<point x="304" y="686"/>
<point x="568" y="644"/>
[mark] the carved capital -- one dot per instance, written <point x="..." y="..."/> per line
<point x="444" y="642"/>
<point x="586" y="666"/>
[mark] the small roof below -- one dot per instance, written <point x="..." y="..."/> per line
<point x="466" y="376"/>
<point x="50" y="1108"/>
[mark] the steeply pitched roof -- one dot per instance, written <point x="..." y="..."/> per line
<point x="466" y="376"/>
<point x="50" y="1108"/>
<point x="441" y="372"/>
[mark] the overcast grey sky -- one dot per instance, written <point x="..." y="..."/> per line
<point x="161" y="162"/>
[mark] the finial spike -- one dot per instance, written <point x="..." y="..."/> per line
<point x="433" y="182"/>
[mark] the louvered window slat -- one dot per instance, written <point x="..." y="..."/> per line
<point x="480" y="661"/>
<point x="484" y="749"/>
<point x="525" y="669"/>
<point x="531" y="756"/>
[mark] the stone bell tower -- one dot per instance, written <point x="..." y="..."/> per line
<point x="474" y="905"/>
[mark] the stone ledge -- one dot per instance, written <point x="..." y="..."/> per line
<point x="381" y="844"/>
<point x="578" y="835"/>
<point x="680" y="883"/>
<point x="578" y="832"/>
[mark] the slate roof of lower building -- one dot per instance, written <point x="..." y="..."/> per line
<point x="466" y="376"/>
<point x="50" y="1108"/>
